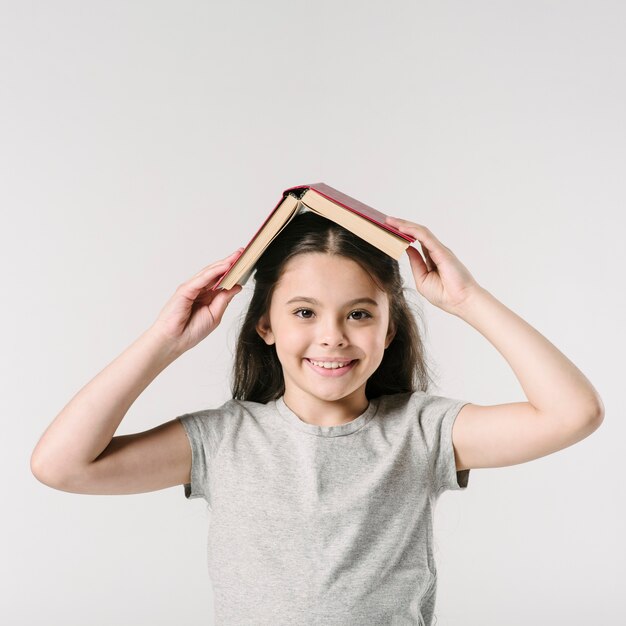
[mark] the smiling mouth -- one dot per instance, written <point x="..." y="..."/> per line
<point x="335" y="369"/>
<point x="331" y="365"/>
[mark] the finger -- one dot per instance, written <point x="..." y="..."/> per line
<point x="207" y="294"/>
<point x="215" y="269"/>
<point x="206" y="279"/>
<point x="418" y="267"/>
<point x="221" y="301"/>
<point x="229" y="259"/>
<point x="229" y="294"/>
<point x="429" y="262"/>
<point x="433" y="249"/>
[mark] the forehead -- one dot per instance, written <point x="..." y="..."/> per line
<point x="326" y="275"/>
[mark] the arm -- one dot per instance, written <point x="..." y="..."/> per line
<point x="86" y="425"/>
<point x="562" y="408"/>
<point x="78" y="451"/>
<point x="553" y="385"/>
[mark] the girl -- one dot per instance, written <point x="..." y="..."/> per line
<point x="323" y="470"/>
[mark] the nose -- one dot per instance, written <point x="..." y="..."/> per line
<point x="332" y="334"/>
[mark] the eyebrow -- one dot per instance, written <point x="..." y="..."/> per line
<point x="349" y="303"/>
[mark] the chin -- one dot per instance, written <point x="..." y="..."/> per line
<point x="338" y="394"/>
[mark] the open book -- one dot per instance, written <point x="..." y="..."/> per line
<point x="364" y="221"/>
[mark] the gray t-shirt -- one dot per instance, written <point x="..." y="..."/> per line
<point x="323" y="525"/>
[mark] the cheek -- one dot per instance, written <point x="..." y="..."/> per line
<point x="291" y="339"/>
<point x="374" y="336"/>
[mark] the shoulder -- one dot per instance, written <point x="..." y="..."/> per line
<point x="421" y="401"/>
<point x="230" y="412"/>
<point x="421" y="409"/>
<point x="210" y="427"/>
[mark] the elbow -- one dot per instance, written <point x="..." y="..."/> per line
<point x="35" y="465"/>
<point x="597" y="412"/>
<point x="41" y="471"/>
<point x="37" y="469"/>
<point x="595" y="416"/>
<point x="598" y="419"/>
<point x="59" y="476"/>
<point x="38" y="464"/>
<point x="589" y="420"/>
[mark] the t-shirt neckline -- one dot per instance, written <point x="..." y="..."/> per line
<point x="326" y="431"/>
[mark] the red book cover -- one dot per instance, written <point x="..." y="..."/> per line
<point x="336" y="196"/>
<point x="352" y="204"/>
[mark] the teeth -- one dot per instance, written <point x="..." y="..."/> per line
<point x="330" y="365"/>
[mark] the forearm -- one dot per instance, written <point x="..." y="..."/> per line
<point x="86" y="425"/>
<point x="551" y="382"/>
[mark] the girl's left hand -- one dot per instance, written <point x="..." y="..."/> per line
<point x="441" y="278"/>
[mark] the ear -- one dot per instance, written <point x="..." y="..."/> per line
<point x="391" y="333"/>
<point x="265" y="330"/>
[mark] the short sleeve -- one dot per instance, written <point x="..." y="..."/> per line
<point x="437" y="416"/>
<point x="201" y="429"/>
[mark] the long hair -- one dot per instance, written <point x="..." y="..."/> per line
<point x="257" y="373"/>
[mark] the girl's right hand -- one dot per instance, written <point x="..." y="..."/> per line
<point x="194" y="311"/>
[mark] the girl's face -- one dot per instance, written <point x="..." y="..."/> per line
<point x="327" y="309"/>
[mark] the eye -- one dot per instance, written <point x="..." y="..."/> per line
<point x="299" y="310"/>
<point x="365" y="315"/>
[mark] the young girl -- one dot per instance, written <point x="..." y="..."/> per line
<point x="323" y="470"/>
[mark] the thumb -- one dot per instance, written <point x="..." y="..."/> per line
<point x="222" y="300"/>
<point x="420" y="271"/>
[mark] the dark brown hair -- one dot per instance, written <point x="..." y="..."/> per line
<point x="257" y="372"/>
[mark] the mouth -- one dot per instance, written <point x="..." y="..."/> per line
<point x="331" y="369"/>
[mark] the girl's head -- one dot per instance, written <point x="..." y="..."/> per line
<point x="302" y="308"/>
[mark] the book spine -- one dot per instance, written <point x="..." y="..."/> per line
<point x="352" y="204"/>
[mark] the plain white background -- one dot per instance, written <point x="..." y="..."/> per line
<point x="142" y="140"/>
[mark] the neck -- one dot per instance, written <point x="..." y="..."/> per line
<point x="321" y="412"/>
